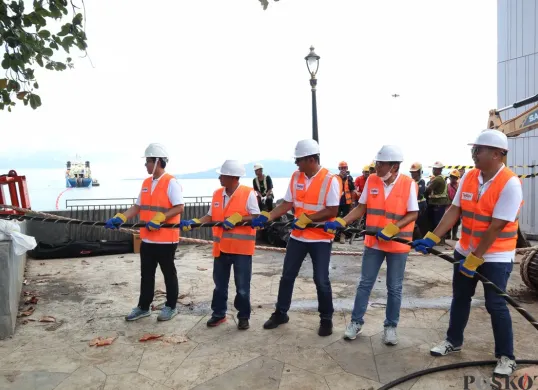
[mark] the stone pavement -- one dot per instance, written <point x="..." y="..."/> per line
<point x="89" y="298"/>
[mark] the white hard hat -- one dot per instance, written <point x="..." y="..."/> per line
<point x="232" y="168"/>
<point x="438" y="164"/>
<point x="493" y="138"/>
<point x="258" y="166"/>
<point x="306" y="147"/>
<point x="389" y="153"/>
<point x="156" y="150"/>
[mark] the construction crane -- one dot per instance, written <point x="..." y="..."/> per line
<point x="518" y="125"/>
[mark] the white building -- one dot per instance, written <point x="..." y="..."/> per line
<point x="517" y="78"/>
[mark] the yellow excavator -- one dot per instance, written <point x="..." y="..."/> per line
<point x="518" y="125"/>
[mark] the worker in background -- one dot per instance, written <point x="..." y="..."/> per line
<point x="488" y="200"/>
<point x="452" y="189"/>
<point x="263" y="185"/>
<point x="437" y="197"/>
<point x="372" y="168"/>
<point x="390" y="199"/>
<point x="314" y="194"/>
<point x="360" y="181"/>
<point x="421" y="224"/>
<point x="347" y="187"/>
<point x="462" y="171"/>
<point x="232" y="246"/>
<point x="160" y="201"/>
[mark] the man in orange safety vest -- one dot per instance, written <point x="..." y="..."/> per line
<point x="160" y="201"/>
<point x="232" y="245"/>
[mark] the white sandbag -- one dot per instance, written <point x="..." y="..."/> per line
<point x="10" y="230"/>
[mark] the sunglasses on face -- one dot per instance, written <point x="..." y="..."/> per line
<point x="343" y="168"/>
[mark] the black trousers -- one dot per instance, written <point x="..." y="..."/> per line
<point x="151" y="255"/>
<point x="343" y="210"/>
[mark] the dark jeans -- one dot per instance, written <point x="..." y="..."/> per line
<point x="464" y="288"/>
<point x="296" y="251"/>
<point x="435" y="214"/>
<point x="151" y="255"/>
<point x="222" y="266"/>
<point x="267" y="205"/>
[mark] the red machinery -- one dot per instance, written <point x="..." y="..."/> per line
<point x="18" y="192"/>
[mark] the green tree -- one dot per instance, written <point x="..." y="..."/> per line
<point x="27" y="38"/>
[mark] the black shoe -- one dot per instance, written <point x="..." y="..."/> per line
<point x="216" y="321"/>
<point x="275" y="320"/>
<point x="243" y="324"/>
<point x="325" y="328"/>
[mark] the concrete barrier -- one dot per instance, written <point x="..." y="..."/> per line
<point x="11" y="279"/>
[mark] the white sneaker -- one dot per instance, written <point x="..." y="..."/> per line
<point x="389" y="335"/>
<point x="505" y="367"/>
<point x="444" y="348"/>
<point x="353" y="330"/>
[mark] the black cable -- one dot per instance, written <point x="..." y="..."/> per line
<point x="447" y="367"/>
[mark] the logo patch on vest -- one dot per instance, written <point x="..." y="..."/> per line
<point x="467" y="195"/>
<point x="216" y="204"/>
<point x="374" y="191"/>
<point x="145" y="189"/>
<point x="299" y="186"/>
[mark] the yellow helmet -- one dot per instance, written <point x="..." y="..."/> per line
<point x="372" y="164"/>
<point x="415" y="167"/>
<point x="366" y="168"/>
<point x="455" y="173"/>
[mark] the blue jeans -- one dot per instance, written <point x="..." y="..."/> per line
<point x="371" y="263"/>
<point x="296" y="251"/>
<point x="222" y="265"/>
<point x="463" y="289"/>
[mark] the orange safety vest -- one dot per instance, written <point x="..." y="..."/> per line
<point x="240" y="240"/>
<point x="151" y="203"/>
<point x="345" y="189"/>
<point x="477" y="212"/>
<point x="310" y="201"/>
<point x="380" y="212"/>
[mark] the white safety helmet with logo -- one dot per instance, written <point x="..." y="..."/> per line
<point x="258" y="166"/>
<point x="306" y="147"/>
<point x="389" y="153"/>
<point x="492" y="138"/>
<point x="232" y="168"/>
<point x="438" y="164"/>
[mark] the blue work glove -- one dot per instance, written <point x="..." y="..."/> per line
<point x="428" y="242"/>
<point x="469" y="265"/>
<point x="115" y="221"/>
<point x="301" y="222"/>
<point x="333" y="226"/>
<point x="155" y="223"/>
<point x="230" y="222"/>
<point x="388" y="232"/>
<point x="185" y="225"/>
<point x="260" y="221"/>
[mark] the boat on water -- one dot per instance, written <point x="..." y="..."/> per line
<point x="79" y="174"/>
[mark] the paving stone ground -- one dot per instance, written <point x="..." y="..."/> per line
<point x="90" y="297"/>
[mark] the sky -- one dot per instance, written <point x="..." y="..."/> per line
<point x="216" y="80"/>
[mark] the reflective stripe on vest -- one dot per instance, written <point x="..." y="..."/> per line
<point x="310" y="201"/>
<point x="240" y="240"/>
<point x="380" y="211"/>
<point x="151" y="203"/>
<point x="264" y="184"/>
<point x="477" y="212"/>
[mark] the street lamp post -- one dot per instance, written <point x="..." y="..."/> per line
<point x="312" y="63"/>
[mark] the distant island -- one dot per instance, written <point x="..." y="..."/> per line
<point x="273" y="168"/>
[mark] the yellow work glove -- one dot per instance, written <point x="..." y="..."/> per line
<point x="260" y="221"/>
<point x="156" y="221"/>
<point x="231" y="221"/>
<point x="470" y="264"/>
<point x="333" y="226"/>
<point x="301" y="222"/>
<point x="424" y="244"/>
<point x="116" y="221"/>
<point x="185" y="225"/>
<point x="388" y="232"/>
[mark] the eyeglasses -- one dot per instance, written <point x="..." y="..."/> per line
<point x="342" y="168"/>
<point x="298" y="160"/>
